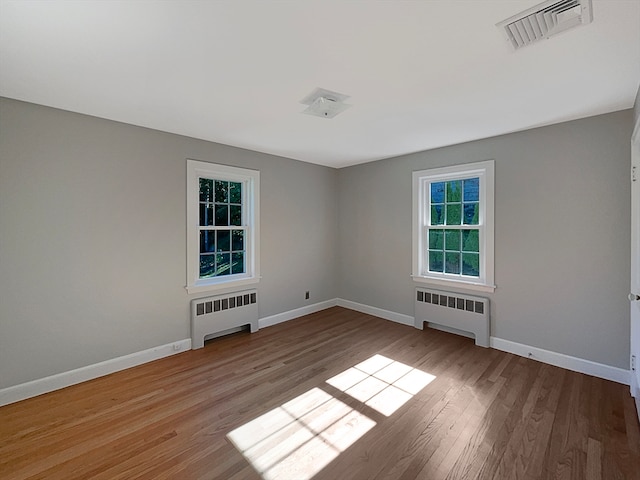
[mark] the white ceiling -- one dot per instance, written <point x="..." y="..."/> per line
<point x="420" y="74"/>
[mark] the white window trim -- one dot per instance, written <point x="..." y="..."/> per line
<point x="251" y="205"/>
<point x="485" y="170"/>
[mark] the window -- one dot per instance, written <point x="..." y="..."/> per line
<point x="222" y="226"/>
<point x="453" y="226"/>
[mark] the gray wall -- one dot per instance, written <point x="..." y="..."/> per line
<point x="92" y="236"/>
<point x="636" y="108"/>
<point x="93" y="242"/>
<point x="561" y="234"/>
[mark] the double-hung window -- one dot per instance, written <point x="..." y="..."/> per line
<point x="222" y="226"/>
<point x="453" y="226"/>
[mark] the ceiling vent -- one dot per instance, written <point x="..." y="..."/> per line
<point x="545" y="20"/>
<point x="325" y="103"/>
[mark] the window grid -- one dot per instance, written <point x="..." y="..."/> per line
<point x="222" y="228"/>
<point x="453" y="227"/>
<point x="460" y="244"/>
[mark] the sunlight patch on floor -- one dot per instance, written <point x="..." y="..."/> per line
<point x="382" y="383"/>
<point x="299" y="438"/>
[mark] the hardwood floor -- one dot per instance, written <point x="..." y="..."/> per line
<point x="333" y="395"/>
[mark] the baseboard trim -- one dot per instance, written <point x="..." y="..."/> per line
<point x="40" y="386"/>
<point x="575" y="364"/>
<point x="376" y="312"/>
<point x="298" y="312"/>
<point x="65" y="379"/>
<point x="635" y="390"/>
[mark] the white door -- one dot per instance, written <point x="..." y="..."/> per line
<point x="634" y="296"/>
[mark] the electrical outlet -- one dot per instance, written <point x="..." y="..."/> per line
<point x="306" y="295"/>
<point x="633" y="362"/>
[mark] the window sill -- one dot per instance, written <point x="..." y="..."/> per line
<point x="440" y="282"/>
<point x="219" y="286"/>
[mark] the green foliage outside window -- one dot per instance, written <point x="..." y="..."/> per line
<point x="222" y="247"/>
<point x="454" y="203"/>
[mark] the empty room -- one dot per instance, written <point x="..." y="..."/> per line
<point x="263" y="239"/>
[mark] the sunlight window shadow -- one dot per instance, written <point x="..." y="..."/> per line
<point x="382" y="383"/>
<point x="299" y="438"/>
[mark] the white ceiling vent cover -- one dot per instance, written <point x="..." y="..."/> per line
<point x="325" y="103"/>
<point x="545" y="20"/>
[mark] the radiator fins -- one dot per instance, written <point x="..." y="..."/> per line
<point x="451" y="302"/>
<point x="460" y="312"/>
<point x="222" y="314"/>
<point x="225" y="303"/>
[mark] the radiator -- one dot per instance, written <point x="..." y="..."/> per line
<point x="211" y="316"/>
<point x="453" y="310"/>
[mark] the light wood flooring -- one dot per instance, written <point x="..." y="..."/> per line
<point x="333" y="395"/>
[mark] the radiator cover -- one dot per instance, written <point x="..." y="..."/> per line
<point x="461" y="312"/>
<point x="213" y="315"/>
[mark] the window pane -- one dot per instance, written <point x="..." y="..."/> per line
<point x="471" y="264"/>
<point x="207" y="266"/>
<point x="206" y="214"/>
<point x="206" y="190"/>
<point x="435" y="261"/>
<point x="454" y="214"/>
<point x="437" y="214"/>
<point x="235" y="192"/>
<point x="223" y="264"/>
<point x="207" y="241"/>
<point x="219" y="264"/>
<point x="470" y="241"/>
<point x="472" y="189"/>
<point x="237" y="262"/>
<point x="471" y="211"/>
<point x="452" y="240"/>
<point x="222" y="191"/>
<point x="436" y="239"/>
<point x="437" y="192"/>
<point x="224" y="240"/>
<point x="454" y="229"/>
<point x="222" y="215"/>
<point x="452" y="263"/>
<point x="237" y="240"/>
<point x="235" y="212"/>
<point x="454" y="191"/>
<point x="221" y="246"/>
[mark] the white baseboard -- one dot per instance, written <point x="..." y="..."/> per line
<point x="65" y="379"/>
<point x="61" y="380"/>
<point x="376" y="312"/>
<point x="635" y="390"/>
<point x="575" y="364"/>
<point x="298" y="312"/>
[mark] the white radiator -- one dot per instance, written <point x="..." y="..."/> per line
<point x="454" y="310"/>
<point x="211" y="316"/>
